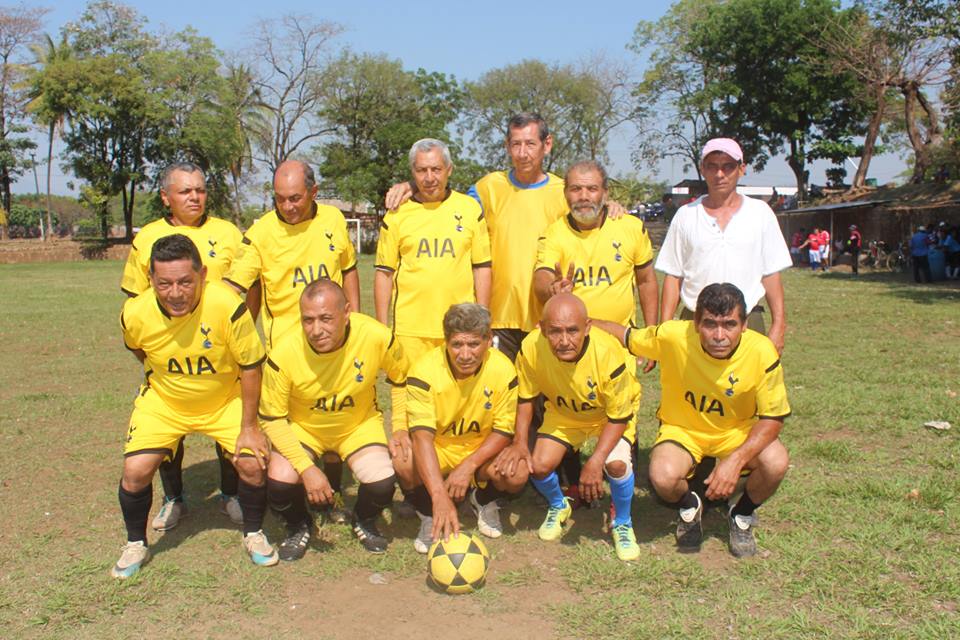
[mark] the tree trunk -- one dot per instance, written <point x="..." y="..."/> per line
<point x="921" y="148"/>
<point x="797" y="165"/>
<point x="870" y="140"/>
<point x="53" y="127"/>
<point x="128" y="209"/>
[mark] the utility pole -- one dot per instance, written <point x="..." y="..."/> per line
<point x="36" y="182"/>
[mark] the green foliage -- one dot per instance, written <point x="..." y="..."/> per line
<point x="630" y="190"/>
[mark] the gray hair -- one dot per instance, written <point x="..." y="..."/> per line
<point x="309" y="178"/>
<point x="522" y="119"/>
<point x="186" y="167"/>
<point x="581" y="166"/>
<point x="467" y="317"/>
<point x="425" y="145"/>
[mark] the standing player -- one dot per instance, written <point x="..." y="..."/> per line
<point x="723" y="396"/>
<point x="298" y="242"/>
<point x="433" y="252"/>
<point x="319" y="396"/>
<point x="461" y="408"/>
<point x="202" y="356"/>
<point x="589" y="392"/>
<point x="183" y="191"/>
<point x="824" y="249"/>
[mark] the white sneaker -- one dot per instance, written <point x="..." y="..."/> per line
<point x="169" y="515"/>
<point x="425" y="536"/>
<point x="260" y="550"/>
<point x="133" y="555"/>
<point x="488" y="517"/>
<point x="230" y="506"/>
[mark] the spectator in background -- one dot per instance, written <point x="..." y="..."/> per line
<point x="854" y="242"/>
<point x="824" y="250"/>
<point x="950" y="245"/>
<point x="813" y="244"/>
<point x="669" y="209"/>
<point x="919" y="254"/>
<point x="795" y="242"/>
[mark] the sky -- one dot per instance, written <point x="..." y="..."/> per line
<point x="463" y="39"/>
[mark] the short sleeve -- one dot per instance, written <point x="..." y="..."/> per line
<point x="670" y="258"/>
<point x="245" y="344"/>
<point x="528" y="389"/>
<point x="619" y="392"/>
<point x="772" y="393"/>
<point x="134" y="280"/>
<point x="776" y="255"/>
<point x="129" y="338"/>
<point x="274" y="392"/>
<point x="395" y="363"/>
<point x="505" y="416"/>
<point x="245" y="269"/>
<point x="421" y="410"/>
<point x="549" y="252"/>
<point x="388" y="244"/>
<point x="643" y="342"/>
<point x="348" y="257"/>
<point x="643" y="248"/>
<point x="480" y="249"/>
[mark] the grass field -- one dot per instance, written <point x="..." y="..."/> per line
<point x="861" y="542"/>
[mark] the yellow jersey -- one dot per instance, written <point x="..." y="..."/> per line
<point x="517" y="215"/>
<point x="432" y="249"/>
<point x="334" y="391"/>
<point x="604" y="258"/>
<point x="194" y="362"/>
<point x="595" y="389"/>
<point x="702" y="393"/>
<point x="218" y="241"/>
<point x="286" y="258"/>
<point x="462" y="413"/>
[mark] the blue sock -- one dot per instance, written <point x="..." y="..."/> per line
<point x="550" y="488"/>
<point x="621" y="492"/>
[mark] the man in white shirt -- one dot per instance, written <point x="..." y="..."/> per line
<point x="725" y="237"/>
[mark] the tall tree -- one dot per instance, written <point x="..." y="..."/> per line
<point x="289" y="56"/>
<point x="241" y="101"/>
<point x="19" y="29"/>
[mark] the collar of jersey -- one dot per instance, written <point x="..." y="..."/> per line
<point x="519" y="185"/>
<point x="202" y="221"/>
<point x="167" y="315"/>
<point x="346" y="336"/>
<point x="313" y="214"/>
<point x="573" y="222"/>
<point x="446" y="196"/>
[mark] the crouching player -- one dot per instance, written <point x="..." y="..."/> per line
<point x="319" y="396"/>
<point x="202" y="357"/>
<point x="589" y="392"/>
<point x="723" y="396"/>
<point x="461" y="408"/>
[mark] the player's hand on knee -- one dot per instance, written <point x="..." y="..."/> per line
<point x="722" y="480"/>
<point x="317" y="486"/>
<point x="255" y="441"/>
<point x="458" y="483"/>
<point x="445" y="521"/>
<point x="400" y="445"/>
<point x="591" y="481"/>
<point x="512" y="457"/>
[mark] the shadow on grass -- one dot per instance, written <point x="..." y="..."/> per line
<point x="901" y="285"/>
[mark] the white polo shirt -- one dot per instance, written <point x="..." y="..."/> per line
<point x="700" y="253"/>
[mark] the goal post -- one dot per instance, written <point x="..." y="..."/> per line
<point x="353" y="230"/>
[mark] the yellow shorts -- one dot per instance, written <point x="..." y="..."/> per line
<point x="155" y="428"/>
<point x="415" y="348"/>
<point x="343" y="442"/>
<point x="700" y="444"/>
<point x="574" y="436"/>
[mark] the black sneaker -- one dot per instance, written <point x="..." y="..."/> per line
<point x="742" y="542"/>
<point x="689" y="528"/>
<point x="368" y="535"/>
<point x="294" y="546"/>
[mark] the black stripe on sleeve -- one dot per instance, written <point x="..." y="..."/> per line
<point x="393" y="337"/>
<point x="418" y="383"/>
<point x="349" y="269"/>
<point x="246" y="240"/>
<point x="266" y="417"/>
<point x="645" y="264"/>
<point x="123" y="323"/>
<point x="129" y="293"/>
<point x="780" y="418"/>
<point x="253" y="365"/>
<point x="549" y="269"/>
<point x="618" y="371"/>
<point x="481" y="265"/>
<point x="239" y="312"/>
<point x="272" y="365"/>
<point x="395" y="384"/>
<point x="620" y="420"/>
<point x="513" y="383"/>
<point x="527" y="399"/>
<point x="383" y="224"/>
<point x="236" y="284"/>
<point x="421" y="427"/>
<point x="773" y="366"/>
<point x="383" y="267"/>
<point x="481" y="216"/>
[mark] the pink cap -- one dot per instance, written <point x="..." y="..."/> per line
<point x="728" y="146"/>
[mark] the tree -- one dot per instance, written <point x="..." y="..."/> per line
<point x="377" y="110"/>
<point x="242" y="103"/>
<point x="774" y="96"/>
<point x="288" y="56"/>
<point x="19" y="28"/>
<point x="581" y="104"/>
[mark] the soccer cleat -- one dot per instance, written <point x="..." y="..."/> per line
<point x="294" y="546"/>
<point x="169" y="515"/>
<point x="336" y="513"/>
<point x="625" y="542"/>
<point x="230" y="506"/>
<point x="368" y="535"/>
<point x="742" y="542"/>
<point x="133" y="556"/>
<point x="405" y="510"/>
<point x="260" y="550"/>
<point x="488" y="516"/>
<point x="552" y="527"/>
<point x="425" y="536"/>
<point x="690" y="528"/>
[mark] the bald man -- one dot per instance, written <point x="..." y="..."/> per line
<point x="589" y="392"/>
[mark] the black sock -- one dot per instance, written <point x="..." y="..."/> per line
<point x="420" y="500"/>
<point x="487" y="494"/>
<point x="745" y="506"/>
<point x="374" y="497"/>
<point x="289" y="501"/>
<point x="171" y="474"/>
<point x="334" y="472"/>
<point x="136" y="509"/>
<point x="253" y="503"/>
<point x="688" y="501"/>
<point x="229" y="480"/>
<point x="571" y="467"/>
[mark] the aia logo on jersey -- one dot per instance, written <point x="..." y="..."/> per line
<point x="488" y="394"/>
<point x="732" y="381"/>
<point x="459" y="219"/>
<point x="213" y="248"/>
<point x="359" y="367"/>
<point x="616" y="248"/>
<point x="329" y="240"/>
<point x="592" y="386"/>
<point x="205" y="330"/>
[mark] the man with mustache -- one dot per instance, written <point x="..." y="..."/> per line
<point x="722" y="396"/>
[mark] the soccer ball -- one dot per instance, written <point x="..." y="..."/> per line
<point x="459" y="564"/>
